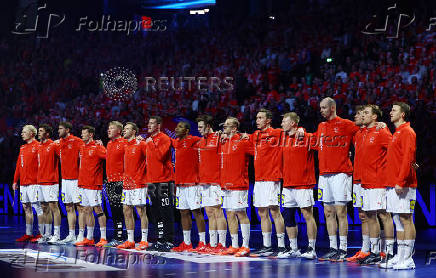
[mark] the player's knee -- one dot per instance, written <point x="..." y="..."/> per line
<point x="399" y="226"/>
<point x="362" y="216"/>
<point x="307" y="214"/>
<point x="263" y="212"/>
<point x="289" y="217"/>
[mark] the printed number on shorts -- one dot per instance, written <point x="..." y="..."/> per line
<point x="123" y="196"/>
<point x="176" y="202"/>
<point x="80" y="198"/>
<point x="412" y="205"/>
<point x="166" y="201"/>
<point x="354" y="198"/>
<point x="281" y="199"/>
<point x="320" y="194"/>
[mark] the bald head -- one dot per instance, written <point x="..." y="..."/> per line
<point x="328" y="108"/>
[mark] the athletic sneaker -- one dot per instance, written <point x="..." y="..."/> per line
<point x="183" y="247"/>
<point x="85" y="242"/>
<point x="161" y="247"/>
<point x="54" y="239"/>
<point x="281" y="252"/>
<point x="43" y="239"/>
<point x="126" y="245"/>
<point x="329" y="255"/>
<point x="218" y="249"/>
<point x="339" y="256"/>
<point x="200" y="247"/>
<point x="35" y="238"/>
<point x="406" y="264"/>
<point x="229" y="251"/>
<point x="143" y="245"/>
<point x="101" y="243"/>
<point x="70" y="239"/>
<point x="114" y="243"/>
<point x="391" y="261"/>
<point x="24" y="238"/>
<point x="371" y="259"/>
<point x="207" y="250"/>
<point x="310" y="254"/>
<point x="263" y="252"/>
<point x="243" y="252"/>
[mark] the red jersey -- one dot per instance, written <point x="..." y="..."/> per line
<point x="186" y="160"/>
<point x="209" y="159"/>
<point x="298" y="162"/>
<point x="357" y="140"/>
<point x="234" y="163"/>
<point x="68" y="151"/>
<point x="159" y="167"/>
<point x="267" y="154"/>
<point x="92" y="157"/>
<point x="114" y="159"/>
<point x="373" y="157"/>
<point x="134" y="164"/>
<point x="334" y="140"/>
<point x="26" y="170"/>
<point x="401" y="156"/>
<point x="48" y="160"/>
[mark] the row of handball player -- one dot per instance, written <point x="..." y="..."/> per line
<point x="212" y="172"/>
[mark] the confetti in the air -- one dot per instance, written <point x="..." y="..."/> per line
<point x="119" y="83"/>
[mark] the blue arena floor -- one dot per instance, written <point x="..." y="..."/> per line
<point x="33" y="260"/>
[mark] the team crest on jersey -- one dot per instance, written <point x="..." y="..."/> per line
<point x="91" y="152"/>
<point x="33" y="149"/>
<point x="133" y="150"/>
<point x="371" y="140"/>
<point x="118" y="147"/>
<point x="234" y="147"/>
<point x="69" y="146"/>
<point x="336" y="129"/>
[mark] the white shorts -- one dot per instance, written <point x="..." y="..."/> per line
<point x="374" y="199"/>
<point x="134" y="197"/>
<point x="89" y="197"/>
<point x="301" y="198"/>
<point x="400" y="204"/>
<point x="188" y="197"/>
<point x="266" y="194"/>
<point x="335" y="188"/>
<point x="30" y="193"/>
<point x="49" y="193"/>
<point x="70" y="191"/>
<point x="235" y="199"/>
<point x="357" y="195"/>
<point x="211" y="195"/>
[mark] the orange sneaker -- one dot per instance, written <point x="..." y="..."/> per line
<point x="218" y="249"/>
<point x="354" y="258"/>
<point x="35" y="238"/>
<point x="207" y="250"/>
<point x="243" y="252"/>
<point x="24" y="238"/>
<point x="85" y="242"/>
<point x="101" y="243"/>
<point x="383" y="254"/>
<point x="126" y="245"/>
<point x="229" y="251"/>
<point x="142" y="246"/>
<point x="183" y="247"/>
<point x="362" y="255"/>
<point x="200" y="247"/>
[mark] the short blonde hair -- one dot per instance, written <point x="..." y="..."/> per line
<point x="234" y="121"/>
<point x="293" y="116"/>
<point x="117" y="124"/>
<point x="31" y="128"/>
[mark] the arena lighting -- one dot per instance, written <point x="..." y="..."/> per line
<point x="272" y="17"/>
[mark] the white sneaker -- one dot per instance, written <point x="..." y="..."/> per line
<point x="43" y="239"/>
<point x="391" y="263"/>
<point x="406" y="264"/>
<point x="54" y="240"/>
<point x="70" y="239"/>
<point x="289" y="254"/>
<point x="310" y="254"/>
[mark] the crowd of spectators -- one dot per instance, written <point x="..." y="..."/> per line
<point x="288" y="63"/>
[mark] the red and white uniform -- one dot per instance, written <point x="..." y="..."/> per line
<point x="92" y="158"/>
<point x="357" y="187"/>
<point x="209" y="169"/>
<point x="134" y="185"/>
<point x="188" y="192"/>
<point x="267" y="166"/>
<point x="48" y="171"/>
<point x="298" y="171"/>
<point x="373" y="168"/>
<point x="26" y="172"/>
<point x="115" y="159"/>
<point x="401" y="157"/>
<point x="334" y="138"/>
<point x="159" y="166"/>
<point x="235" y="154"/>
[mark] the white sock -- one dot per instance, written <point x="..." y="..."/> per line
<point x="365" y="244"/>
<point x="266" y="239"/>
<point x="102" y="233"/>
<point x="333" y="242"/>
<point x="187" y="237"/>
<point x="131" y="235"/>
<point x="29" y="229"/>
<point x="57" y="231"/>
<point x="213" y="237"/>
<point x="389" y="246"/>
<point x="222" y="236"/>
<point x="90" y="234"/>
<point x="41" y="229"/>
<point x="202" y="237"/>
<point x="245" y="230"/>
<point x="375" y="247"/>
<point x="47" y="229"/>
<point x="400" y="251"/>
<point x="343" y="243"/>
<point x="81" y="234"/>
<point x="72" y="233"/>
<point x="293" y="243"/>
<point x="144" y="233"/>
<point x="235" y="240"/>
<point x="281" y="240"/>
<point x="312" y="243"/>
<point x="408" y="248"/>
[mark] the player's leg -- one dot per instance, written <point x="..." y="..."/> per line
<point x="280" y="228"/>
<point x="388" y="230"/>
<point x="54" y="209"/>
<point x="143" y="244"/>
<point x="114" y="194"/>
<point x="245" y="230"/>
<point x="102" y="223"/>
<point x="233" y="228"/>
<point x="311" y="232"/>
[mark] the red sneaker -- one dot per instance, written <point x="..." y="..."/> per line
<point x="85" y="242"/>
<point x="229" y="251"/>
<point x="126" y="245"/>
<point x="200" y="247"/>
<point x="243" y="252"/>
<point x="354" y="258"/>
<point x="183" y="247"/>
<point x="218" y="249"/>
<point x="383" y="254"/>
<point x="24" y="238"/>
<point x="35" y="238"/>
<point x="207" y="250"/>
<point x="142" y="246"/>
<point x="103" y="242"/>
